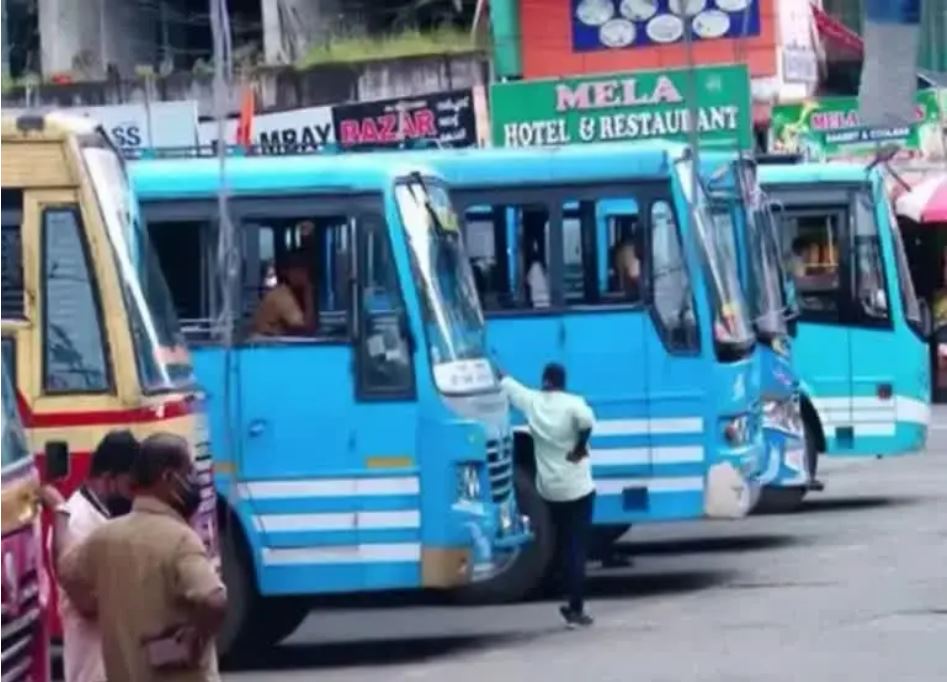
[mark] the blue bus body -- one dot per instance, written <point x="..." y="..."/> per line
<point x="665" y="409"/>
<point x="374" y="453"/>
<point x="860" y="352"/>
<point x="744" y="216"/>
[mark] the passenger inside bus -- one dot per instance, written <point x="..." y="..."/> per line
<point x="288" y="309"/>
<point x="534" y="237"/>
<point x="628" y="269"/>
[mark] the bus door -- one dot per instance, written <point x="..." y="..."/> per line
<point x="605" y="343"/>
<point x="875" y="347"/>
<point x="510" y="245"/>
<point x="71" y="351"/>
<point x="679" y="384"/>
<point x="816" y="230"/>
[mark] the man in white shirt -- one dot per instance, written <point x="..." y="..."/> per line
<point x="105" y="494"/>
<point x="561" y="424"/>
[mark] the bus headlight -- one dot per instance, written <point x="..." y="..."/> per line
<point x="468" y="482"/>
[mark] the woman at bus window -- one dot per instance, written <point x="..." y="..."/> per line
<point x="939" y="300"/>
<point x="288" y="309"/>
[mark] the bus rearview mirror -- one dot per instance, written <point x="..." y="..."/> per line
<point x="57" y="460"/>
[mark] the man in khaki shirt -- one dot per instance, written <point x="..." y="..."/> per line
<point x="147" y="578"/>
<point x="288" y="309"/>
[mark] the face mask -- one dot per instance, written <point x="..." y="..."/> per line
<point x="118" y="505"/>
<point x="188" y="494"/>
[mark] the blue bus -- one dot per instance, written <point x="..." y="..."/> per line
<point x="607" y="264"/>
<point x="860" y="352"/>
<point x="367" y="446"/>
<point x="747" y="228"/>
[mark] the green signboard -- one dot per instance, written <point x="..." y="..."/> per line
<point x="637" y="105"/>
<point x="826" y="128"/>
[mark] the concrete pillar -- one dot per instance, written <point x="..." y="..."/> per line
<point x="292" y="27"/>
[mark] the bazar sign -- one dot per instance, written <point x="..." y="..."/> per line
<point x="822" y="128"/>
<point x="632" y="106"/>
<point x="281" y="132"/>
<point x="446" y="118"/>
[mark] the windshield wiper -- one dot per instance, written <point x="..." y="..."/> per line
<point x="429" y="207"/>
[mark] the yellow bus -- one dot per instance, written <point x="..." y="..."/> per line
<point x="87" y="321"/>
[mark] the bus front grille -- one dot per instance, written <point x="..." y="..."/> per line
<point x="500" y="468"/>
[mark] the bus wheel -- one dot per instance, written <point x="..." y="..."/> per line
<point x="602" y="544"/>
<point x="236" y="636"/>
<point x="775" y="500"/>
<point x="278" y="618"/>
<point x="523" y="573"/>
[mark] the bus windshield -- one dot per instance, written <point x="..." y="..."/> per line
<point x="15" y="448"/>
<point x="452" y="315"/>
<point x="160" y="352"/>
<point x="731" y="323"/>
<point x="766" y="292"/>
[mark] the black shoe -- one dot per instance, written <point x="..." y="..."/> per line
<point x="575" y="619"/>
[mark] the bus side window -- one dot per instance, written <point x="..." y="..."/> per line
<point x="187" y="253"/>
<point x="509" y="253"/>
<point x="384" y="347"/>
<point x="74" y="353"/>
<point x="814" y="236"/>
<point x="670" y="282"/>
<point x="602" y="249"/>
<point x="12" y="249"/>
<point x="296" y="279"/>
<point x="871" y="295"/>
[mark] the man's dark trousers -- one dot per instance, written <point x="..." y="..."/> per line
<point x="573" y="522"/>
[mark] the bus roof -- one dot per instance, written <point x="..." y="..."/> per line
<point x="847" y="173"/>
<point x="200" y="177"/>
<point x="45" y="126"/>
<point x="525" y="165"/>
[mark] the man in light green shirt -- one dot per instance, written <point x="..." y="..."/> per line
<point x="560" y="424"/>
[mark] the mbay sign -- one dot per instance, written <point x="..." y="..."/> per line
<point x="625" y="106"/>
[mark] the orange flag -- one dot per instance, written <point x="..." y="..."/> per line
<point x="245" y="125"/>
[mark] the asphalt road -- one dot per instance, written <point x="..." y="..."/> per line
<point x="853" y="587"/>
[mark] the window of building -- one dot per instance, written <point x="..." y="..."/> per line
<point x="74" y="355"/>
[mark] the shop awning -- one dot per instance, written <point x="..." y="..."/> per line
<point x="926" y="202"/>
<point x="838" y="38"/>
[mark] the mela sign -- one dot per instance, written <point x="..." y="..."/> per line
<point x="627" y="106"/>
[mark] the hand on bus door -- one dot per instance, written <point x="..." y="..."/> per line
<point x="51" y="498"/>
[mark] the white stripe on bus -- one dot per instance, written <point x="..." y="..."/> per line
<point x="342" y="554"/>
<point x="341" y="521"/>
<point x="662" y="455"/>
<point x="330" y="487"/>
<point x="616" y="486"/>
<point x="637" y="427"/>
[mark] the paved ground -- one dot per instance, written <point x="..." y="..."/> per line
<point x="854" y="587"/>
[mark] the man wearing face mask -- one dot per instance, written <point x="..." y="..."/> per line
<point x="147" y="577"/>
<point x="105" y="494"/>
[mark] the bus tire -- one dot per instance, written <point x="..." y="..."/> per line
<point x="603" y="538"/>
<point x="278" y="618"/>
<point x="524" y="576"/>
<point x="236" y="636"/>
<point x="774" y="500"/>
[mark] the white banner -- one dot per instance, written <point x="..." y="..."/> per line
<point x="172" y="124"/>
<point x="280" y="132"/>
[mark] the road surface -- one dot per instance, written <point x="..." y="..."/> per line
<point x="852" y="588"/>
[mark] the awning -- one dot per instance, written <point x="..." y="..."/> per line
<point x="926" y="202"/>
<point x="837" y="36"/>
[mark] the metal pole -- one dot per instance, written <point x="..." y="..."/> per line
<point x="693" y="111"/>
